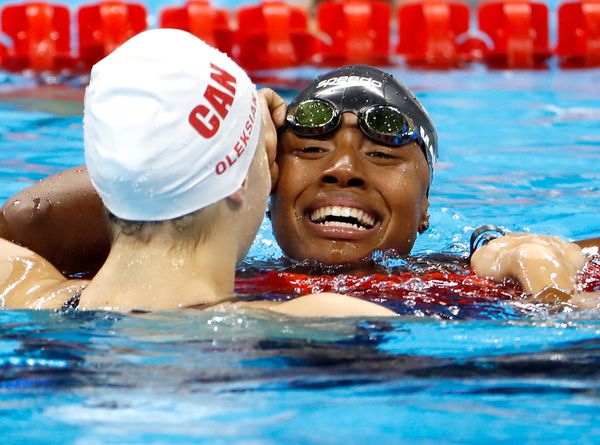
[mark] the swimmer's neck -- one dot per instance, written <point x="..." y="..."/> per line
<point x="313" y="267"/>
<point x="158" y="276"/>
<point x="393" y="264"/>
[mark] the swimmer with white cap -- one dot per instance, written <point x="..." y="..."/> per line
<point x="175" y="147"/>
<point x="356" y="158"/>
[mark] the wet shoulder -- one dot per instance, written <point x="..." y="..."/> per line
<point x="28" y="281"/>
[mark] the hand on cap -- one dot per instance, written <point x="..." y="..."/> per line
<point x="273" y="109"/>
<point x="538" y="262"/>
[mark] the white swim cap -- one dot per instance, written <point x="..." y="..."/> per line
<point x="171" y="125"/>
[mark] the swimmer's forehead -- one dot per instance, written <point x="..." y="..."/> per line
<point x="354" y="88"/>
<point x="356" y="91"/>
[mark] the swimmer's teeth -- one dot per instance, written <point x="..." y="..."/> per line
<point x="363" y="219"/>
<point x="342" y="224"/>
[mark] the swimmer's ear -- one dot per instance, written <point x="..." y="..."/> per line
<point x="424" y="218"/>
<point x="239" y="195"/>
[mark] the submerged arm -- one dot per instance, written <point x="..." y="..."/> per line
<point x="325" y="304"/>
<point x="62" y="219"/>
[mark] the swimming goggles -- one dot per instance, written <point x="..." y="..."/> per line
<point x="384" y="124"/>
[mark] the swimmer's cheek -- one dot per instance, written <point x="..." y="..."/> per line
<point x="274" y="171"/>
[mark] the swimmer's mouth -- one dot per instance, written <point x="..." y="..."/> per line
<point x="340" y="216"/>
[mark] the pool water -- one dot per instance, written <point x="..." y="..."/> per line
<point x="518" y="149"/>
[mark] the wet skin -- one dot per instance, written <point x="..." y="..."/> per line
<point x="343" y="196"/>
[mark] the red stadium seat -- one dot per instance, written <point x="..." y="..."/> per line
<point x="579" y="33"/>
<point x="274" y="34"/>
<point x="519" y="32"/>
<point x="358" y="31"/>
<point x="41" y="36"/>
<point x="3" y="54"/>
<point x="204" y="21"/>
<point x="428" y="31"/>
<point x="106" y="25"/>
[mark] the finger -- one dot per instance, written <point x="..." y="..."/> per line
<point x="274" y="170"/>
<point x="586" y="300"/>
<point x="269" y="131"/>
<point x="276" y="106"/>
<point x="550" y="295"/>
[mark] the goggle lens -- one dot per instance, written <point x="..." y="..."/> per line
<point x="314" y="113"/>
<point x="388" y="125"/>
<point x="386" y="120"/>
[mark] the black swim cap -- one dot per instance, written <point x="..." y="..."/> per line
<point x="355" y="87"/>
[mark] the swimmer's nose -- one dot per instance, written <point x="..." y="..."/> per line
<point x="343" y="180"/>
<point x="345" y="170"/>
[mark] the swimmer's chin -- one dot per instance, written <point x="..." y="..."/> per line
<point x="333" y="264"/>
<point x="329" y="263"/>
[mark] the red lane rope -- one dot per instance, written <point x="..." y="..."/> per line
<point x="434" y="287"/>
<point x="275" y="34"/>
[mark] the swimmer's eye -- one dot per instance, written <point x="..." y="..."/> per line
<point x="310" y="151"/>
<point x="381" y="155"/>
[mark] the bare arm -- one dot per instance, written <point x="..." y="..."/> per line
<point x="29" y="281"/>
<point x="545" y="266"/>
<point x="537" y="261"/>
<point x="325" y="304"/>
<point x="62" y="219"/>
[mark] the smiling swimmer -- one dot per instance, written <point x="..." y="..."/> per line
<point x="356" y="157"/>
<point x="175" y="148"/>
